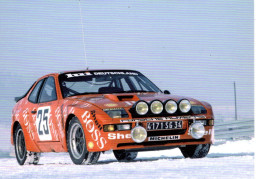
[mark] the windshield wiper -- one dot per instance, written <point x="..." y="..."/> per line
<point x="137" y="91"/>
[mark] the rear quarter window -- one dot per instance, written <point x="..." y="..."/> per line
<point x="48" y="92"/>
<point x="34" y="94"/>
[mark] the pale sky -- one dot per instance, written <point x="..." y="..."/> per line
<point x="192" y="48"/>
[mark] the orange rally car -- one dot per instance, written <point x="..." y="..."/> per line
<point x="89" y="112"/>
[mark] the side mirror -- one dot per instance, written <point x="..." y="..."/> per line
<point x="166" y="92"/>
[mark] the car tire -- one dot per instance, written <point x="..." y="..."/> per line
<point x="76" y="144"/>
<point x="124" y="156"/>
<point x="195" y="151"/>
<point x="19" y="145"/>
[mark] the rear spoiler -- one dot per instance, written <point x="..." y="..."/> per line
<point x="21" y="97"/>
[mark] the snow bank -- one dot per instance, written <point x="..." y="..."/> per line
<point x="5" y="141"/>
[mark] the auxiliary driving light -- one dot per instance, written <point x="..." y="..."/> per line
<point x="171" y="107"/>
<point x="156" y="107"/>
<point x="197" y="130"/>
<point x="141" y="108"/>
<point x="138" y="134"/>
<point x="185" y="106"/>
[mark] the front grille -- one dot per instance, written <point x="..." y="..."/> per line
<point x="166" y="132"/>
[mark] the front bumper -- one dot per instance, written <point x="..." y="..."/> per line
<point x="119" y="140"/>
<point x="176" y="138"/>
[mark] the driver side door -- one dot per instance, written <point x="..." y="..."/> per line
<point x="46" y="120"/>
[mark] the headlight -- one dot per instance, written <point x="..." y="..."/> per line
<point x="171" y="107"/>
<point x="156" y="107"/>
<point x="123" y="127"/>
<point x="116" y="112"/>
<point x="185" y="106"/>
<point x="138" y="134"/>
<point x="141" y="108"/>
<point x="109" y="128"/>
<point x="116" y="127"/>
<point x="197" y="130"/>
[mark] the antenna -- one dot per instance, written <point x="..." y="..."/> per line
<point x="235" y="96"/>
<point x="83" y="34"/>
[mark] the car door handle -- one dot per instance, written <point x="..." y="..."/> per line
<point x="33" y="111"/>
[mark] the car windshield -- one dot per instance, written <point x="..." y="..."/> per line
<point x="104" y="82"/>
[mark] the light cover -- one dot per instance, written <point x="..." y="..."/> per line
<point x="138" y="134"/>
<point x="185" y="106"/>
<point x="197" y="130"/>
<point x="156" y="107"/>
<point x="171" y="107"/>
<point x="141" y="108"/>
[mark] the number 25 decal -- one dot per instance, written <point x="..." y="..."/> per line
<point x="42" y="123"/>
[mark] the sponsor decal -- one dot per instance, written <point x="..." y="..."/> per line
<point x="85" y="105"/>
<point x="113" y="136"/>
<point x="164" y="118"/>
<point x="91" y="128"/>
<point x="42" y="123"/>
<point x="164" y="138"/>
<point x="115" y="73"/>
<point x="112" y="109"/>
<point x="110" y="105"/>
<point x="208" y="132"/>
<point x="129" y="103"/>
<point x="71" y="75"/>
<point x="27" y="123"/>
<point x="59" y="121"/>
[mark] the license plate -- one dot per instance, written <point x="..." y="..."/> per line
<point x="164" y="125"/>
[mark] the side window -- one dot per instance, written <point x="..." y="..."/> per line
<point x="33" y="96"/>
<point x="48" y="92"/>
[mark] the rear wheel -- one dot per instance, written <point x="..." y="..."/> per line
<point x="124" y="156"/>
<point x="195" y="151"/>
<point x="19" y="145"/>
<point x="22" y="155"/>
<point x="77" y="146"/>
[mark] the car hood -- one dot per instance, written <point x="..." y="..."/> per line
<point x="122" y="100"/>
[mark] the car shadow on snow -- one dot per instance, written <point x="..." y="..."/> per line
<point x="140" y="160"/>
<point x="151" y="159"/>
<point x="212" y="155"/>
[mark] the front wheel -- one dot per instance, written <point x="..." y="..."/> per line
<point x="123" y="156"/>
<point x="195" y="151"/>
<point x="77" y="146"/>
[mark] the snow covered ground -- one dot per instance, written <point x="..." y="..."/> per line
<point x="234" y="159"/>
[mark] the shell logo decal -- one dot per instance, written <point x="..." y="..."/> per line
<point x="111" y="105"/>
